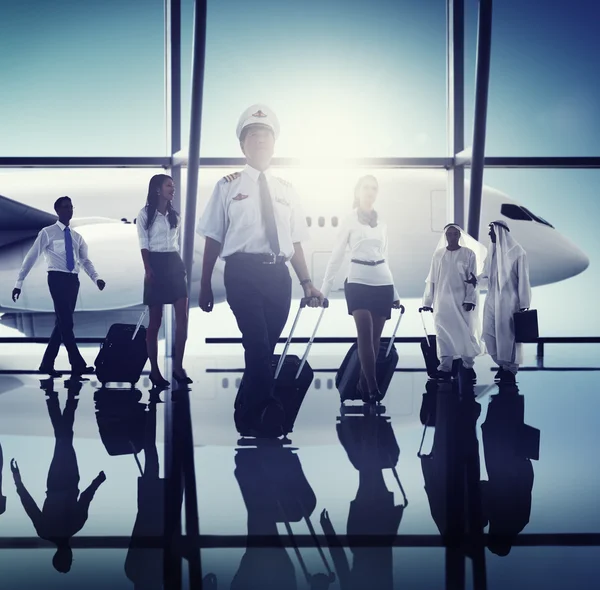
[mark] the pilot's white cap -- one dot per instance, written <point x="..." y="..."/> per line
<point x="258" y="114"/>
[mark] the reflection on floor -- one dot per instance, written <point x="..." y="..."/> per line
<point x="443" y="486"/>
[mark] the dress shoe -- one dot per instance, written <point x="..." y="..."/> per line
<point x="50" y="371"/>
<point x="82" y="370"/>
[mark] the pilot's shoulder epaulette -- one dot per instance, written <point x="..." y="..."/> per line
<point x="231" y="177"/>
<point x="284" y="182"/>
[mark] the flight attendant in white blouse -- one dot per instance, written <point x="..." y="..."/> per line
<point x="369" y="287"/>
<point x="165" y="281"/>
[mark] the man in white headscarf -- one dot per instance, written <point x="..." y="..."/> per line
<point x="451" y="294"/>
<point x="509" y="291"/>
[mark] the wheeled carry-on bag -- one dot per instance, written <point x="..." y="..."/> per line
<point x="348" y="375"/>
<point x="123" y="354"/>
<point x="293" y="376"/>
<point x="429" y="350"/>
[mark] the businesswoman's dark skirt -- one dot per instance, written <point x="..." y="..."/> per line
<point x="378" y="300"/>
<point x="169" y="282"/>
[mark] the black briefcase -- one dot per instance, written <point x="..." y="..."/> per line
<point x="526" y="326"/>
<point x="529" y="442"/>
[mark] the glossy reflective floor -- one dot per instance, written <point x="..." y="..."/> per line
<point x="444" y="487"/>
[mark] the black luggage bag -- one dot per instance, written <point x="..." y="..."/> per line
<point x="293" y="377"/>
<point x="123" y="354"/>
<point x="348" y="375"/>
<point x="429" y="350"/>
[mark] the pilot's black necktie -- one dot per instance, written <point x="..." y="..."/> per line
<point x="268" y="215"/>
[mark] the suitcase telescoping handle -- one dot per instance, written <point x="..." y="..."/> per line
<point x="402" y="310"/>
<point x="139" y="324"/>
<point x="310" y="342"/>
<point x="424" y="326"/>
<point x="303" y="303"/>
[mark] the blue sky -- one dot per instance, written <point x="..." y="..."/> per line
<point x="345" y="78"/>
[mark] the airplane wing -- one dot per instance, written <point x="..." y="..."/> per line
<point x="19" y="222"/>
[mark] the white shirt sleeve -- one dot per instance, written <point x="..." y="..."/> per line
<point x="86" y="263"/>
<point x="337" y="256"/>
<point x="298" y="221"/>
<point x="213" y="223"/>
<point x="143" y="237"/>
<point x="40" y="244"/>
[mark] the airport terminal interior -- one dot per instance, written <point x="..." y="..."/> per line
<point x="443" y="485"/>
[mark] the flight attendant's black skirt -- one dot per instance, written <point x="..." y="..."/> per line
<point x="169" y="283"/>
<point x="378" y="300"/>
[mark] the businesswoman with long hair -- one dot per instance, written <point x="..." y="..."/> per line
<point x="369" y="287"/>
<point x="165" y="282"/>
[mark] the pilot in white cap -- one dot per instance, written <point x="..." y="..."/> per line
<point x="258" y="114"/>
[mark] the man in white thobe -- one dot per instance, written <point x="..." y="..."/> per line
<point x="509" y="291"/>
<point x="451" y="294"/>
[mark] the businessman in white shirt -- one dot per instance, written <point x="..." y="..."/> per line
<point x="65" y="252"/>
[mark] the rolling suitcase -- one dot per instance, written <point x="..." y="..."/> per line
<point x="429" y="350"/>
<point x="123" y="354"/>
<point x="293" y="376"/>
<point x="348" y="375"/>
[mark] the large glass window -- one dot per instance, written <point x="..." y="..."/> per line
<point x="346" y="78"/>
<point x="82" y="78"/>
<point x="543" y="88"/>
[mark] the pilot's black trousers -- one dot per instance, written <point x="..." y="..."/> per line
<point x="64" y="288"/>
<point x="259" y="296"/>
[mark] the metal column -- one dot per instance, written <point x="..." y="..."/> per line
<point x="455" y="109"/>
<point x="198" y="58"/>
<point x="482" y="79"/>
<point x="172" y="559"/>
<point x="173" y="127"/>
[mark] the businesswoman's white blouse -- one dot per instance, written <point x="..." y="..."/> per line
<point x="161" y="237"/>
<point x="365" y="243"/>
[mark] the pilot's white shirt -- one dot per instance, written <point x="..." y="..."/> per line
<point x="366" y="243"/>
<point x="51" y="243"/>
<point x="161" y="237"/>
<point x="233" y="215"/>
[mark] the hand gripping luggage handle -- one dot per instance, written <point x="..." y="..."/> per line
<point x="139" y="324"/>
<point x="402" y="310"/>
<point x="303" y="303"/>
<point x="424" y="326"/>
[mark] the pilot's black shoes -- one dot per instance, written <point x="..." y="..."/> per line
<point x="265" y="421"/>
